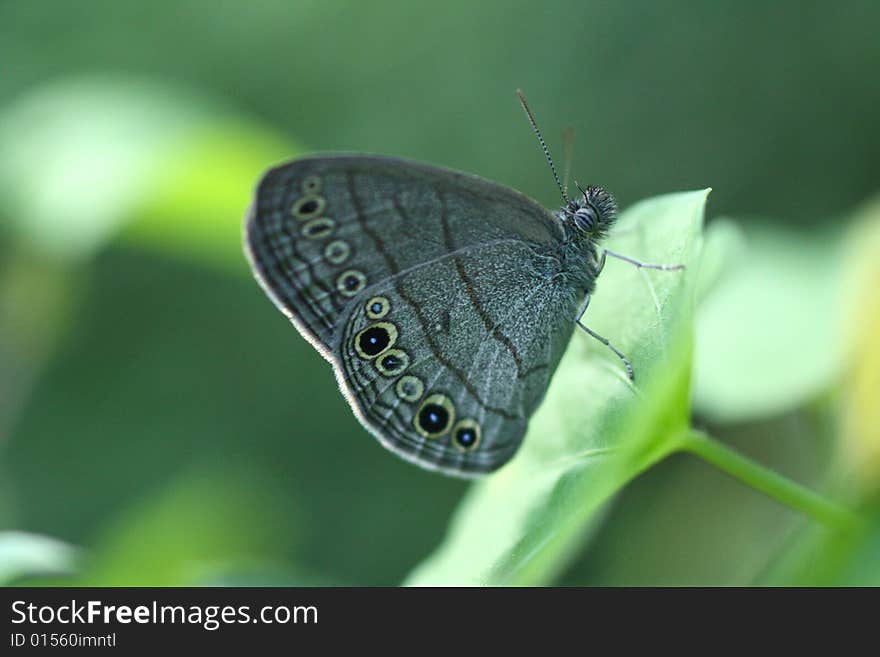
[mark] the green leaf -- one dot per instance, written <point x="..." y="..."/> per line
<point x="860" y="412"/>
<point x="724" y="248"/>
<point x="198" y="198"/>
<point x="767" y="338"/>
<point x="83" y="157"/>
<point x="816" y="556"/>
<point x="77" y="153"/>
<point x="594" y="432"/>
<point x="31" y="555"/>
<point x="207" y="523"/>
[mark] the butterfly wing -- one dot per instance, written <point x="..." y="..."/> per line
<point x="427" y="290"/>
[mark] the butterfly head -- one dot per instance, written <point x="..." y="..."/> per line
<point x="590" y="215"/>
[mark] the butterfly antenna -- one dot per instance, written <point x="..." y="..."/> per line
<point x="534" y="123"/>
<point x="568" y="148"/>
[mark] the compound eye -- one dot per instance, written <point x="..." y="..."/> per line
<point x="584" y="218"/>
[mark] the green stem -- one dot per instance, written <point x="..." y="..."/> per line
<point x="765" y="480"/>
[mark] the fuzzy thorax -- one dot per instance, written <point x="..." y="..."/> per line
<point x="586" y="221"/>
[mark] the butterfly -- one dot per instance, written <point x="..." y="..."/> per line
<point x="443" y="301"/>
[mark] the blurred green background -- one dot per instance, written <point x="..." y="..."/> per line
<point x="161" y="423"/>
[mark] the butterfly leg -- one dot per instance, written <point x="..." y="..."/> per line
<point x="632" y="261"/>
<point x="629" y="369"/>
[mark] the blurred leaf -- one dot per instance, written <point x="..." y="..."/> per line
<point x="205" y="524"/>
<point x="861" y="567"/>
<point x="590" y="435"/>
<point x="31" y="555"/>
<point x="816" y="556"/>
<point x="767" y="338"/>
<point x="80" y="157"/>
<point x="724" y="248"/>
<point x="197" y="200"/>
<point x="37" y="301"/>
<point x="861" y="386"/>
<point x="77" y="153"/>
<point x="269" y="576"/>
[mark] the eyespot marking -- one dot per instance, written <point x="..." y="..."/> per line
<point x="375" y="340"/>
<point x="350" y="282"/>
<point x="377" y="307"/>
<point x="392" y="362"/>
<point x="308" y="206"/>
<point x="311" y="185"/>
<point x="315" y="229"/>
<point x="409" y="388"/>
<point x="466" y="435"/>
<point x="337" y="252"/>
<point x="435" y="416"/>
